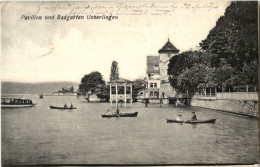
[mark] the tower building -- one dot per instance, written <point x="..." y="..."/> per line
<point x="158" y="85"/>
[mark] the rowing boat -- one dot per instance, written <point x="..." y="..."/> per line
<point x="62" y="108"/>
<point x="191" y="121"/>
<point x="119" y="115"/>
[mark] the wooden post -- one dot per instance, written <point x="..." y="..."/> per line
<point x="131" y="94"/>
<point x="111" y="100"/>
<point x="116" y="95"/>
<point x="205" y="92"/>
<point x="246" y="88"/>
<point x="210" y="92"/>
<point x="215" y="91"/>
<point x="125" y="93"/>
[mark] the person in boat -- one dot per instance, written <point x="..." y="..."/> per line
<point x="65" y="106"/>
<point x="179" y="117"/>
<point x="193" y="117"/>
<point x="117" y="111"/>
<point x="71" y="105"/>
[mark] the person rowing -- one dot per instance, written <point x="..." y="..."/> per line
<point x="193" y="117"/>
<point x="179" y="117"/>
<point x="71" y="106"/>
<point x="65" y="106"/>
<point x="117" y="112"/>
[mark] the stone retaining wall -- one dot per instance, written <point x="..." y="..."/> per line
<point x="243" y="107"/>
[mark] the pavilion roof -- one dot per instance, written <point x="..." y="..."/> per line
<point x="168" y="48"/>
<point x="120" y="80"/>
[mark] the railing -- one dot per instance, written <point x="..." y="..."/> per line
<point x="229" y="96"/>
<point x="238" y="95"/>
<point x="121" y="96"/>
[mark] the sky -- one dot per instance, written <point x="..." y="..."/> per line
<point x="60" y="50"/>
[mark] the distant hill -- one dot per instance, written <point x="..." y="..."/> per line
<point x="35" y="88"/>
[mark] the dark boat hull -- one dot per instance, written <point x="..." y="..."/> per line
<point x="120" y="115"/>
<point x="17" y="105"/>
<point x="191" y="122"/>
<point x="62" y="108"/>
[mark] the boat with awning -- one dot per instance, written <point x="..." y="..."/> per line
<point x="16" y="103"/>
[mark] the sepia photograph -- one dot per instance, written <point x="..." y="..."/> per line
<point x="129" y="83"/>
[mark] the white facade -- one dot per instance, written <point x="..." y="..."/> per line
<point x="158" y="85"/>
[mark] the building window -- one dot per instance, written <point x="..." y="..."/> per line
<point x="155" y="85"/>
<point x="151" y="94"/>
<point x="155" y="94"/>
<point x="156" y="67"/>
<point x="151" y="85"/>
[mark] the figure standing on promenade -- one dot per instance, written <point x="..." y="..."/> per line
<point x="146" y="102"/>
<point x="161" y="102"/>
<point x="163" y="94"/>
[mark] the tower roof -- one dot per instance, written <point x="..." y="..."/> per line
<point x="168" y="48"/>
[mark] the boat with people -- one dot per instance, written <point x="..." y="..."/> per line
<point x="191" y="121"/>
<point x="63" y="108"/>
<point x="16" y="103"/>
<point x="115" y="114"/>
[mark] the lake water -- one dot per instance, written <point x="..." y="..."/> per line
<point x="39" y="135"/>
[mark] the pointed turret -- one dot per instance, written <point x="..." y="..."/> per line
<point x="168" y="48"/>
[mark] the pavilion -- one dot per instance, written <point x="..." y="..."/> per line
<point x="120" y="97"/>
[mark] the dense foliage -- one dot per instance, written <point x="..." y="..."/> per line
<point x="227" y="57"/>
<point x="91" y="82"/>
<point x="138" y="85"/>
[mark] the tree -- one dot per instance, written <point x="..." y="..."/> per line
<point x="228" y="56"/>
<point x="102" y="92"/>
<point x="234" y="37"/>
<point x="91" y="82"/>
<point x="188" y="69"/>
<point x="139" y="84"/>
<point x="114" y="74"/>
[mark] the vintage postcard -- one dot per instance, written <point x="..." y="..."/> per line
<point x="129" y="83"/>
